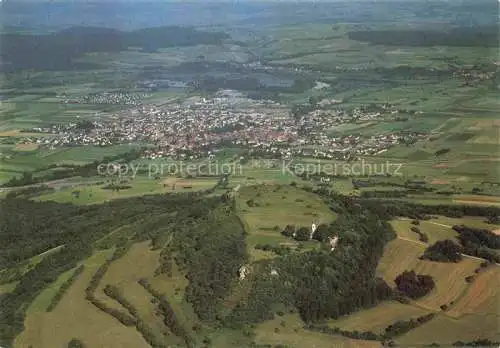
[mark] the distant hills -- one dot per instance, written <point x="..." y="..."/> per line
<point x="59" y="50"/>
<point x="484" y="36"/>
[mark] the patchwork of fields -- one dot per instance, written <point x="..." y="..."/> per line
<point x="442" y="99"/>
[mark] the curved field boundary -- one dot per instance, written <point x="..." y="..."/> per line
<point x="481" y="296"/>
<point x="401" y="255"/>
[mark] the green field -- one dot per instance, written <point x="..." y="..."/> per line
<point x="92" y="194"/>
<point x="434" y="230"/>
<point x="271" y="208"/>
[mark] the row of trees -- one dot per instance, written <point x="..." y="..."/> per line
<point x="64" y="287"/>
<point x="476" y="343"/>
<point x="477" y="236"/>
<point x="398" y="328"/>
<point x="300" y="234"/>
<point x="147" y="333"/>
<point x="388" y="209"/>
<point x="321" y="234"/>
<point x="29" y="228"/>
<point x="422" y="236"/>
<point x="123" y="317"/>
<point x="170" y="318"/>
<point x="401" y="327"/>
<point x="479" y="242"/>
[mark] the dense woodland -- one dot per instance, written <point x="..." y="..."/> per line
<point x="414" y="285"/>
<point x="29" y="228"/>
<point x="322" y="284"/>
<point x="206" y="242"/>
<point x="443" y="251"/>
<point x="58" y="51"/>
<point x="479" y="242"/>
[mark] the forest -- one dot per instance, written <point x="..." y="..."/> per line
<point x="443" y="251"/>
<point x="58" y="51"/>
<point x="321" y="284"/>
<point x="29" y="228"/>
<point x="479" y="242"/>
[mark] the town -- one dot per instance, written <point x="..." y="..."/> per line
<point x="199" y="126"/>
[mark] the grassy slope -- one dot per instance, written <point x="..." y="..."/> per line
<point x="378" y="318"/>
<point x="287" y="330"/>
<point x="139" y="262"/>
<point x="482" y="297"/>
<point x="140" y="186"/>
<point x="446" y="330"/>
<point x="74" y="317"/>
<point x="401" y="255"/>
<point x="433" y="231"/>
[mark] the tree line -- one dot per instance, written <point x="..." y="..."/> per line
<point x="64" y="287"/>
<point x="393" y="330"/>
<point x="169" y="316"/>
<point x="29" y="228"/>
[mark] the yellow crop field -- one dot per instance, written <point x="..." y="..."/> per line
<point x="482" y="296"/>
<point x="401" y="255"/>
<point x="288" y="331"/>
<point x="75" y="317"/>
<point x="376" y="319"/>
<point x="446" y="330"/>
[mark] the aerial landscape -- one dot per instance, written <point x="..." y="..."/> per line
<point x="249" y="174"/>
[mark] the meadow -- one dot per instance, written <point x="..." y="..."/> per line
<point x="267" y="209"/>
<point x="274" y="205"/>
<point x="288" y="330"/>
<point x="445" y="330"/>
<point x="96" y="193"/>
<point x="376" y="319"/>
<point x="435" y="231"/>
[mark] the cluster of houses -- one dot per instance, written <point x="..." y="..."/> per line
<point x="472" y="76"/>
<point x="122" y="98"/>
<point x="198" y="126"/>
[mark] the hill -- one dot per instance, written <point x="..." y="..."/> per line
<point x="166" y="269"/>
<point x="59" y="51"/>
